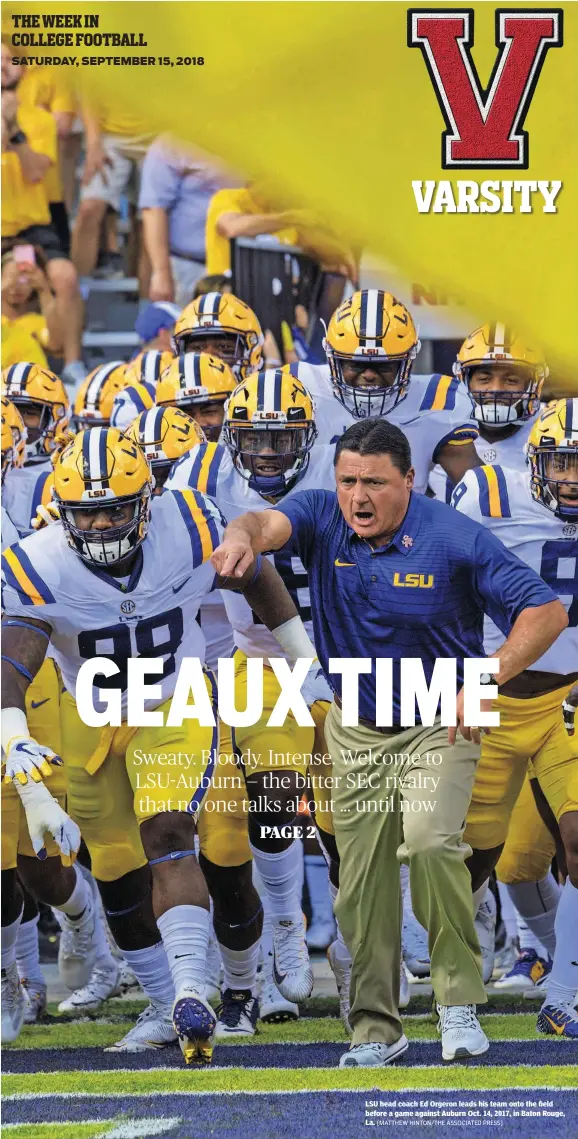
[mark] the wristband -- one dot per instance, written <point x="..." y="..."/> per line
<point x="18" y="138"/>
<point x="14" y="724"/>
<point x="295" y="640"/>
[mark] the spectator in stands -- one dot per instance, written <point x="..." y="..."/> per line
<point x="155" y="324"/>
<point x="177" y="186"/>
<point x="116" y="143"/>
<point x="29" y="152"/>
<point x="249" y="211"/>
<point x="45" y="87"/>
<point x="31" y="325"/>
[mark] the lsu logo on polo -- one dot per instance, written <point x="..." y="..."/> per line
<point x="414" y="580"/>
<point x="484" y="127"/>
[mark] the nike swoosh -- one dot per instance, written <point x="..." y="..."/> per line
<point x="558" y="1028"/>
<point x="39" y="703"/>
<point x="177" y="588"/>
<point x="179" y="955"/>
<point x="574" y="962"/>
<point x="338" y="563"/>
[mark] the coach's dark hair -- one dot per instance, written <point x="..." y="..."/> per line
<point x="376" y="437"/>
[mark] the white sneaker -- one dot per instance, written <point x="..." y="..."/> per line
<point x="373" y="1055"/>
<point x="77" y="948"/>
<point x="35" y="992"/>
<point x="275" y="1008"/>
<point x="238" y="1014"/>
<point x="195" y="1023"/>
<point x="340" y="962"/>
<point x="485" y="924"/>
<point x="415" y="948"/>
<point x="292" y="971"/>
<point x="103" y="983"/>
<point x="403" y="986"/>
<point x="153" y="1029"/>
<point x="320" y="934"/>
<point x="13" y="1005"/>
<point x="462" y="1034"/>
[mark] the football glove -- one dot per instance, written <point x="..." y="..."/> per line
<point x="26" y="759"/>
<point x="44" y="814"/>
<point x="45" y="515"/>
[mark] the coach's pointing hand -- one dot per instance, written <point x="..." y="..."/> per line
<point x="233" y="557"/>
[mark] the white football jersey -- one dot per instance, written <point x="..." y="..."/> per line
<point x="129" y="403"/>
<point x="210" y="465"/>
<point x="93" y="614"/>
<point x="25" y="488"/>
<point x="507" y="452"/>
<point x="436" y="410"/>
<point x="501" y="500"/>
<point x="10" y="534"/>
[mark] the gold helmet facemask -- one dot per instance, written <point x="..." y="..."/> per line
<point x="552" y="455"/>
<point x="269" y="430"/>
<point x="103" y="470"/>
<point x="371" y="331"/>
<point x="499" y="346"/>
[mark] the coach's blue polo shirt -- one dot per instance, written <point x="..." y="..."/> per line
<point x="423" y="595"/>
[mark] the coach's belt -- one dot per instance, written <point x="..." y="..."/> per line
<point x="121" y="737"/>
<point x="373" y="727"/>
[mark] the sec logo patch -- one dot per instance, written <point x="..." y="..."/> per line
<point x="490" y="455"/>
<point x="127" y="607"/>
<point x="569" y="530"/>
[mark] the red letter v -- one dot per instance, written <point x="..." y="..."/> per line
<point x="484" y="127"/>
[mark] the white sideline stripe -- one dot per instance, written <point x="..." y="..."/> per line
<point x="130" y="1129"/>
<point x="273" y="1091"/>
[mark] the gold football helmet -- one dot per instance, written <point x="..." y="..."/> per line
<point x="103" y="472"/>
<point x="147" y="367"/>
<point x="269" y="429"/>
<point x="498" y="349"/>
<point x="38" y="393"/>
<point x="226" y="327"/>
<point x="552" y="454"/>
<point x="199" y="384"/>
<point x="13" y="437"/>
<point x="371" y="344"/>
<point x="93" y="404"/>
<point x="165" y="434"/>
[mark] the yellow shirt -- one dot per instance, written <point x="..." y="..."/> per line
<point x="47" y="88"/>
<point x="24" y="339"/>
<point x="26" y="203"/>
<point x="238" y="201"/>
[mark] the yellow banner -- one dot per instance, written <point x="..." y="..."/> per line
<point x="330" y="101"/>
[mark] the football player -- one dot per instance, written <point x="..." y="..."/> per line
<point x="41" y="399"/>
<point x="82" y="943"/>
<point x="269" y="432"/>
<point x="13" y="455"/>
<point x="102" y="584"/>
<point x="200" y="384"/>
<point x="138" y="394"/>
<point x="223" y="326"/>
<point x="504" y="377"/>
<point x="371" y="344"/>
<point x="536" y="513"/>
<point x="95" y="397"/>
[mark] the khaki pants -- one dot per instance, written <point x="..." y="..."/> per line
<point x="413" y="811"/>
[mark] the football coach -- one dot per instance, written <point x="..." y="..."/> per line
<point x="360" y="546"/>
